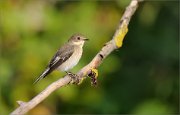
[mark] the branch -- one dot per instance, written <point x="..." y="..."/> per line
<point x="113" y="44"/>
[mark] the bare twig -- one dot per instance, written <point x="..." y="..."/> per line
<point x="113" y="44"/>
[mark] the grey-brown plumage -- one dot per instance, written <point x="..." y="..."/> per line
<point x="66" y="57"/>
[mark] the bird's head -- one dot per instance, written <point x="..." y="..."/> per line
<point x="77" y="39"/>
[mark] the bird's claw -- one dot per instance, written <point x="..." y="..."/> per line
<point x="74" y="78"/>
<point x="93" y="75"/>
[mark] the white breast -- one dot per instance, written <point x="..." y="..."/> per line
<point x="72" y="61"/>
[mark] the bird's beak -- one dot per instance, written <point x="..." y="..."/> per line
<point x="85" y="39"/>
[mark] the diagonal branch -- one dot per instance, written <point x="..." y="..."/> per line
<point x="110" y="46"/>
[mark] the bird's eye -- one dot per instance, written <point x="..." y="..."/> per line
<point x="78" y="38"/>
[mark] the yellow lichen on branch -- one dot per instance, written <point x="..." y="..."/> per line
<point x="95" y="71"/>
<point x="120" y="34"/>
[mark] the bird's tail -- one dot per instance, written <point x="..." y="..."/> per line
<point x="43" y="75"/>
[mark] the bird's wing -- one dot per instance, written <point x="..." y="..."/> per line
<point x="61" y="56"/>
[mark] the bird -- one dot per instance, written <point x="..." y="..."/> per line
<point x="66" y="57"/>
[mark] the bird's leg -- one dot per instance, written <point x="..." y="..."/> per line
<point x="74" y="77"/>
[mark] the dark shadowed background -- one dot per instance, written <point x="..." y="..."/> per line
<point x="142" y="77"/>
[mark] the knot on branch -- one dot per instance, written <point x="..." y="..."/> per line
<point x="21" y="103"/>
<point x="93" y="75"/>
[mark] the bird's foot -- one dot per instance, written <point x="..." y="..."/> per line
<point x="74" y="78"/>
<point x="93" y="75"/>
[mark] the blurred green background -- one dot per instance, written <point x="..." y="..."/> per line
<point x="142" y="77"/>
